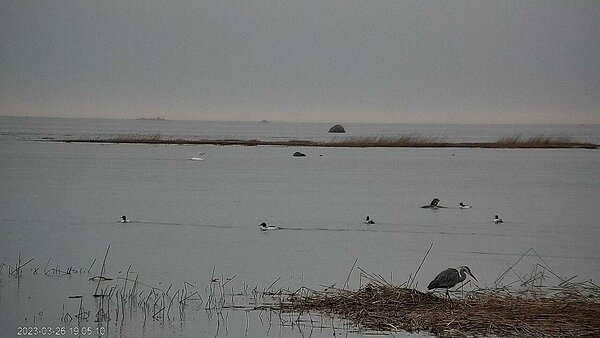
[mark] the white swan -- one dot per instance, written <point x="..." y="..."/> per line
<point x="198" y="158"/>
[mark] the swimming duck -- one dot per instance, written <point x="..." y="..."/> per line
<point x="124" y="219"/>
<point x="433" y="205"/>
<point x="368" y="220"/>
<point x="464" y="206"/>
<point x="498" y="220"/>
<point x="264" y="227"/>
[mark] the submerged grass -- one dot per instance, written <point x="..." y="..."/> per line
<point x="410" y="140"/>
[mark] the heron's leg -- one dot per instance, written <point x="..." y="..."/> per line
<point x="447" y="294"/>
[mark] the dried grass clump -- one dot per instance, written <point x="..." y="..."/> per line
<point x="385" y="307"/>
<point x="539" y="141"/>
<point x="155" y="138"/>
<point x="137" y="138"/>
<point x="519" y="305"/>
<point x="411" y="140"/>
<point x="133" y="138"/>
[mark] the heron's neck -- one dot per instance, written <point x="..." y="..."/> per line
<point x="462" y="276"/>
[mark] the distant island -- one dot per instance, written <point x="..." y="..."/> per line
<point x="151" y="119"/>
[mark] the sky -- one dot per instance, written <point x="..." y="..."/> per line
<point x="308" y="61"/>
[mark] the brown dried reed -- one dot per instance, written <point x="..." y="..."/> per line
<point x="384" y="307"/>
<point x="523" y="307"/>
<point x="410" y="140"/>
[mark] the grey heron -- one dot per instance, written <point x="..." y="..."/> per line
<point x="449" y="278"/>
<point x="498" y="219"/>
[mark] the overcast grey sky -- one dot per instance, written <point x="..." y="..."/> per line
<point x="301" y="60"/>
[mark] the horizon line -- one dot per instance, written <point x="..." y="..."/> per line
<point x="164" y="119"/>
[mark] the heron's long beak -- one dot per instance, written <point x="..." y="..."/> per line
<point x="470" y="274"/>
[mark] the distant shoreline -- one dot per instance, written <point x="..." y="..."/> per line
<point x="151" y="119"/>
<point x="407" y="141"/>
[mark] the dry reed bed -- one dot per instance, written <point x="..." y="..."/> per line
<point x="523" y="308"/>
<point x="384" y="307"/>
<point x="411" y="140"/>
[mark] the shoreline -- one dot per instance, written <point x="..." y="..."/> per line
<point x="346" y="143"/>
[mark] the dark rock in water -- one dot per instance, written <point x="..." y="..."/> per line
<point x="298" y="154"/>
<point x="337" y="129"/>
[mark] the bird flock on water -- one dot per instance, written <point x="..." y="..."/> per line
<point x="444" y="280"/>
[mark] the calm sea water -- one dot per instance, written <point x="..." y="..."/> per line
<point x="36" y="128"/>
<point x="193" y="221"/>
